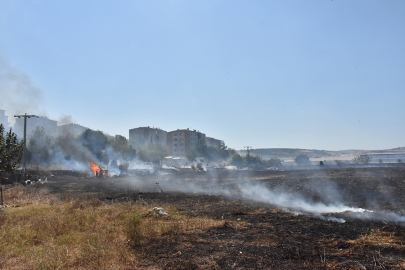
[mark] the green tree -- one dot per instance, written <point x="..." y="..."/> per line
<point x="237" y="161"/>
<point x="152" y="153"/>
<point x="201" y="150"/>
<point x="225" y="152"/>
<point x="254" y="162"/>
<point x="40" y="146"/>
<point x="96" y="142"/>
<point x="362" y="159"/>
<point x="274" y="162"/>
<point x="122" y="147"/>
<point x="302" y="160"/>
<point x="123" y="167"/>
<point x="11" y="151"/>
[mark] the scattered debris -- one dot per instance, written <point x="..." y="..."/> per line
<point x="158" y="211"/>
<point x="25" y="183"/>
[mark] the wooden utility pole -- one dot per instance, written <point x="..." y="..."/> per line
<point x="248" y="148"/>
<point x="25" y="139"/>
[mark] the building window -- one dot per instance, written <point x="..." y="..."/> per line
<point x="175" y="140"/>
<point x="181" y="144"/>
<point x="175" y="144"/>
<point x="174" y="134"/>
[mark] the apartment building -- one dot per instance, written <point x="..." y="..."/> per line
<point x="142" y="136"/>
<point x="180" y="142"/>
<point x="212" y="142"/>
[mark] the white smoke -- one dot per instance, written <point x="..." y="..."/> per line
<point x="288" y="201"/>
<point x="18" y="93"/>
<point x="285" y="200"/>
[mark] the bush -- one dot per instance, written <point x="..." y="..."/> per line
<point x="123" y="167"/>
<point x="302" y="160"/>
<point x="362" y="159"/>
<point x="274" y="162"/>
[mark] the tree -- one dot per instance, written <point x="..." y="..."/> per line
<point x="237" y="161"/>
<point x="362" y="159"/>
<point x="122" y="148"/>
<point x="274" y="162"/>
<point x="123" y="167"/>
<point x="152" y="153"/>
<point x="96" y="142"/>
<point x="201" y="150"/>
<point x="339" y="163"/>
<point x="40" y="145"/>
<point x="254" y="162"/>
<point x="302" y="160"/>
<point x="11" y="151"/>
<point x="399" y="160"/>
<point x="225" y="152"/>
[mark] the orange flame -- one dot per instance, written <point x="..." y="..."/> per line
<point x="95" y="168"/>
<point x="98" y="171"/>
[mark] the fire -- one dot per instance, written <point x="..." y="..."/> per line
<point x="95" y="168"/>
<point x="98" y="171"/>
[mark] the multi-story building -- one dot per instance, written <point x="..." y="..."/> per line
<point x="182" y="141"/>
<point x="4" y="120"/>
<point x="212" y="142"/>
<point x="34" y="122"/>
<point x="143" y="136"/>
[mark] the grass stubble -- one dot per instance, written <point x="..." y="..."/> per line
<point x="40" y="231"/>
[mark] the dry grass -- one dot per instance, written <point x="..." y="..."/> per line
<point x="47" y="233"/>
<point x="382" y="239"/>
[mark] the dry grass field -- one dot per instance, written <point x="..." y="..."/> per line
<point x="88" y="223"/>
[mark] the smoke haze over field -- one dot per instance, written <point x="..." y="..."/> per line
<point x="330" y="203"/>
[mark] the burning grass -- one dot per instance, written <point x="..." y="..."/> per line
<point x="46" y="233"/>
<point x="52" y="226"/>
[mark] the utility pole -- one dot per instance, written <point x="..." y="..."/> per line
<point x="25" y="139"/>
<point x="248" y="148"/>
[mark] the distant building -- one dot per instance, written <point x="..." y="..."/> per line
<point x="4" y="120"/>
<point x="74" y="129"/>
<point x="182" y="141"/>
<point x="142" y="136"/>
<point x="212" y="142"/>
<point x="34" y="122"/>
<point x="176" y="162"/>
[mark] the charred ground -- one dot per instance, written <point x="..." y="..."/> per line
<point x="258" y="235"/>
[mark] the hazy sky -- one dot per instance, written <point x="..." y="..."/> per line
<point x="299" y="74"/>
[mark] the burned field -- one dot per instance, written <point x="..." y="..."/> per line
<point x="331" y="218"/>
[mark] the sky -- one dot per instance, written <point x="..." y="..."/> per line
<point x="315" y="74"/>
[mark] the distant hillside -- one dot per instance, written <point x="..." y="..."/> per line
<point x="313" y="153"/>
<point x="288" y="152"/>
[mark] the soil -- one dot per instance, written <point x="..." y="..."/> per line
<point x="260" y="235"/>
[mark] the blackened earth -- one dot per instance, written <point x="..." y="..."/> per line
<point x="260" y="235"/>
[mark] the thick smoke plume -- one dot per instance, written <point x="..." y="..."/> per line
<point x="17" y="92"/>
